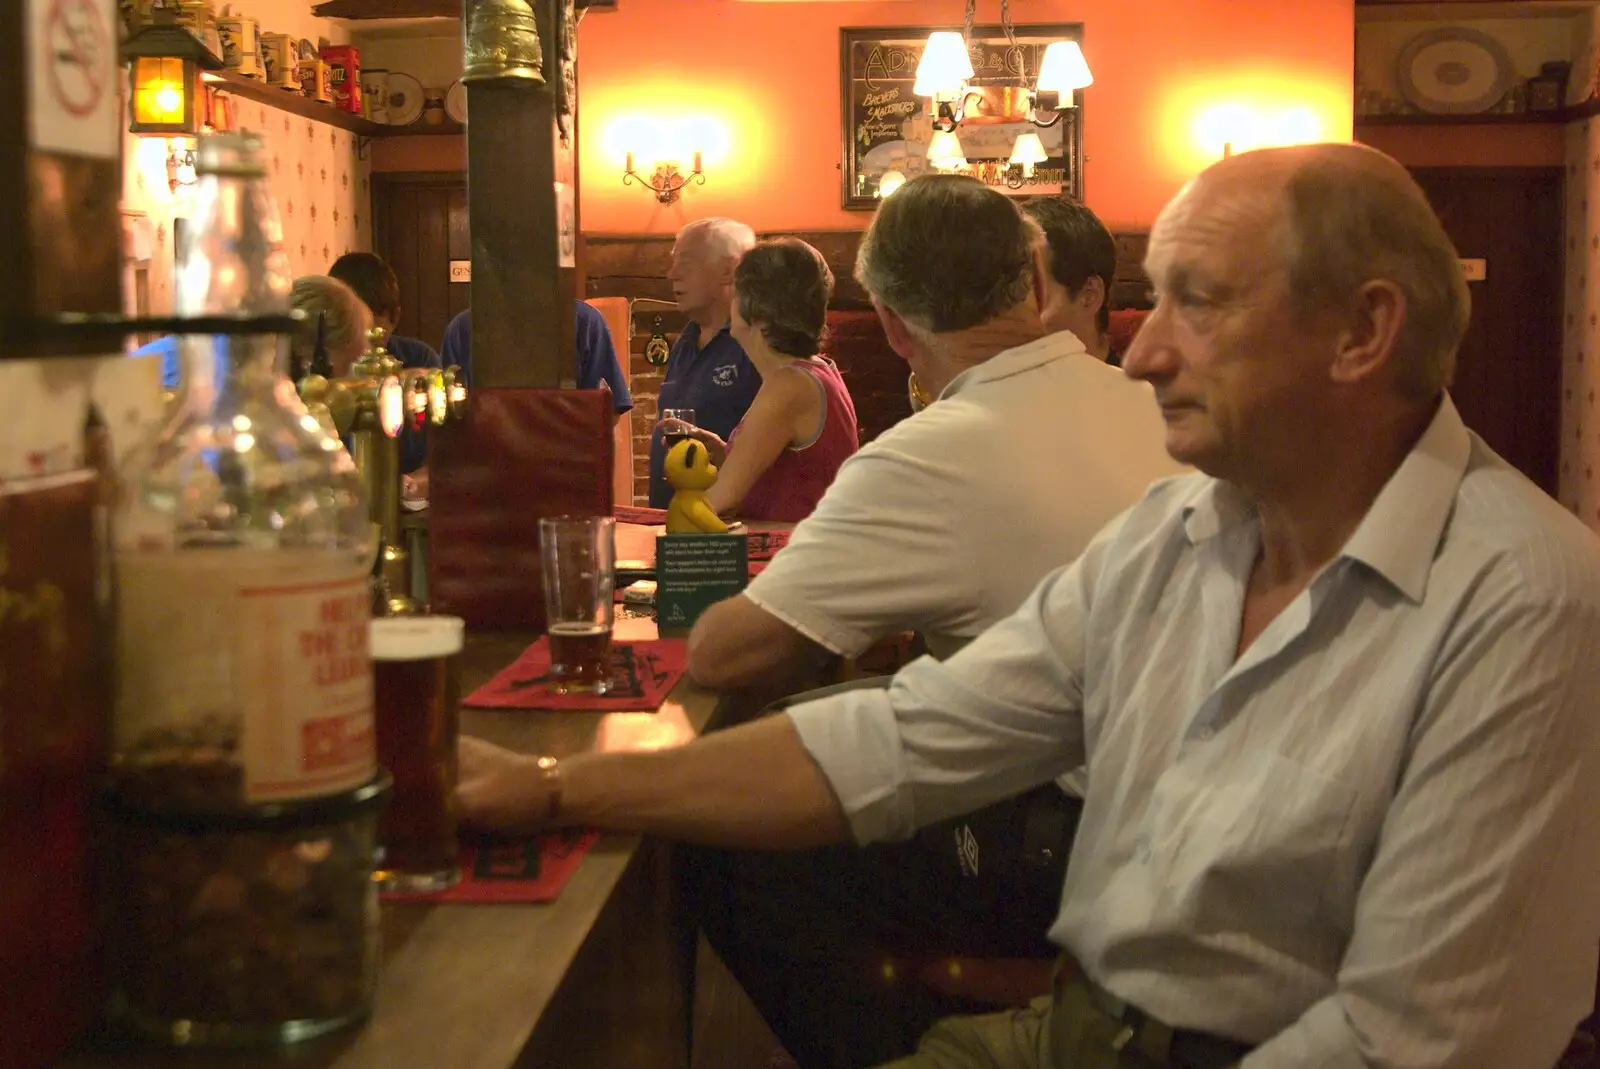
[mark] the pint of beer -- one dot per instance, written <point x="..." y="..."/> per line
<point x="579" y="556"/>
<point x="417" y="714"/>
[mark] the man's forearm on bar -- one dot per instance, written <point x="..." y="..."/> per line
<point x="750" y="786"/>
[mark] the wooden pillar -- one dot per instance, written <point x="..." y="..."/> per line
<point x="519" y="176"/>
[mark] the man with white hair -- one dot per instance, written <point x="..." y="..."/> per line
<point x="707" y="371"/>
<point x="1336" y="693"/>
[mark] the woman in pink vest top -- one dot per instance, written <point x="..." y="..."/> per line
<point x="781" y="458"/>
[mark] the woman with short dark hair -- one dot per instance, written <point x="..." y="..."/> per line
<point x="783" y="455"/>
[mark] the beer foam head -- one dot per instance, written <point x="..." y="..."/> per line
<point x="416" y="638"/>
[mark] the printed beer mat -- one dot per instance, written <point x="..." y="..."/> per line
<point x="764" y="544"/>
<point x="530" y="870"/>
<point x="642" y="674"/>
<point x="634" y="514"/>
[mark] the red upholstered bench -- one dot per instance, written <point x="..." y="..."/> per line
<point x="1125" y="323"/>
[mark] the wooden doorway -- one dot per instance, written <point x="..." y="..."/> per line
<point x="419" y="227"/>
<point x="1508" y="378"/>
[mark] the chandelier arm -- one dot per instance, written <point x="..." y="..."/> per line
<point x="1047" y="125"/>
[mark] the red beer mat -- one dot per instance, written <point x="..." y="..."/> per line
<point x="763" y="544"/>
<point x="644" y="516"/>
<point x="642" y="674"/>
<point x="531" y="870"/>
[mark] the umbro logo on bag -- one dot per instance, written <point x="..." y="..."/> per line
<point x="967" y="850"/>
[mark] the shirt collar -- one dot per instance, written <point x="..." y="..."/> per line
<point x="1016" y="360"/>
<point x="1399" y="536"/>
<point x="691" y="330"/>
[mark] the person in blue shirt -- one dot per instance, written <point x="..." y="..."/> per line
<point x="164" y="348"/>
<point x="597" y="357"/>
<point x="375" y="283"/>
<point x="707" y="370"/>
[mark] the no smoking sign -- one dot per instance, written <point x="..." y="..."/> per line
<point x="77" y="39"/>
<point x="73" y="103"/>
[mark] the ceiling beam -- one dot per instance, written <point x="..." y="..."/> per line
<point x="411" y="9"/>
<point x="388" y="9"/>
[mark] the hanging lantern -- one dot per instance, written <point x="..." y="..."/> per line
<point x="164" y="65"/>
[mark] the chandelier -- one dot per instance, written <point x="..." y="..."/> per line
<point x="945" y="71"/>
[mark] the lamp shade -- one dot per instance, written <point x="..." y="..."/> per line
<point x="1028" y="151"/>
<point x="944" y="67"/>
<point x="945" y="152"/>
<point x="1063" y="69"/>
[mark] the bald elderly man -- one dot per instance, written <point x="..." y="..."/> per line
<point x="1335" y="691"/>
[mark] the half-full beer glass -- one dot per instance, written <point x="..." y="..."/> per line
<point x="579" y="557"/>
<point x="417" y="714"/>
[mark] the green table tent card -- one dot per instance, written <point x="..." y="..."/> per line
<point x="697" y="570"/>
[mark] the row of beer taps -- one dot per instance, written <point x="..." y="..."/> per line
<point x="368" y="408"/>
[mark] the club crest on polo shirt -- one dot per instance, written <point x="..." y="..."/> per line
<point x="724" y="374"/>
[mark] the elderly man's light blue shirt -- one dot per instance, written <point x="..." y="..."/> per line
<point x="1371" y="839"/>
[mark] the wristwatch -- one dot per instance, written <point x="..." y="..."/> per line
<point x="550" y="779"/>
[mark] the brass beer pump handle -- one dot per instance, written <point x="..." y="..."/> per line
<point x="368" y="406"/>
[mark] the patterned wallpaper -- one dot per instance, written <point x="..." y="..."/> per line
<point x="317" y="176"/>
<point x="1579" y="488"/>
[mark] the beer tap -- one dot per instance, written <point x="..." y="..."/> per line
<point x="368" y="407"/>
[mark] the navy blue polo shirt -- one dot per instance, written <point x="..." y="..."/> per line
<point x="412" y="353"/>
<point x="597" y="357"/>
<point x="718" y="382"/>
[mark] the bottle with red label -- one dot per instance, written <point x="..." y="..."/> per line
<point x="243" y="547"/>
<point x="244" y="792"/>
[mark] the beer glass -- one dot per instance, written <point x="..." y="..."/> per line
<point x="673" y="438"/>
<point x="579" y="558"/>
<point x="417" y="695"/>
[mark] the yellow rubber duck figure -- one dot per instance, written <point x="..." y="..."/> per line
<point x="689" y="470"/>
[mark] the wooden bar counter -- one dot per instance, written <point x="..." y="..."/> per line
<point x="596" y="978"/>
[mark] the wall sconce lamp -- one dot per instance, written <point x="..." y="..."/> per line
<point x="180" y="163"/>
<point x="666" y="181"/>
<point x="164" y="65"/>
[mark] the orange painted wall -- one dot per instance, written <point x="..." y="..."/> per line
<point x="764" y="79"/>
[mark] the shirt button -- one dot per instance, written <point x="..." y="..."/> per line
<point x="1205" y="734"/>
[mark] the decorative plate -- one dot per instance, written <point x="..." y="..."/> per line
<point x="1454" y="70"/>
<point x="455" y="102"/>
<point x="406" y="99"/>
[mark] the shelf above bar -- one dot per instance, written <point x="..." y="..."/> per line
<point x="295" y="104"/>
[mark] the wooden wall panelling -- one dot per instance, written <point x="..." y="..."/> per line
<point x="460" y="295"/>
<point x="419" y="226"/>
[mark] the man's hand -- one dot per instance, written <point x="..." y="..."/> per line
<point x="500" y="790"/>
